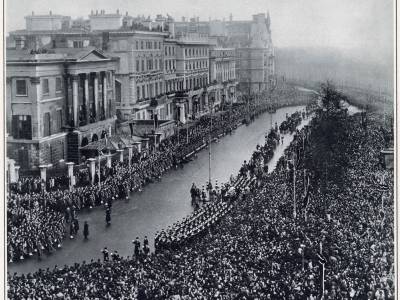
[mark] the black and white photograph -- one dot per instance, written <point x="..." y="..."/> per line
<point x="199" y="150"/>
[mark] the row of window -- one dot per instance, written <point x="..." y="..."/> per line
<point x="169" y="50"/>
<point x="196" y="82"/>
<point x="189" y="52"/>
<point x="148" y="65"/>
<point x="149" y="90"/>
<point x="170" y="64"/>
<point x="172" y="85"/>
<point x="22" y="86"/>
<point x="193" y="65"/>
<point x="148" y="45"/>
<point x="21" y="125"/>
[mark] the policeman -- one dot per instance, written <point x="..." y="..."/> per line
<point x="86" y="230"/>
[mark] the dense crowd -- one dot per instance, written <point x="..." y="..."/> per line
<point x="29" y="228"/>
<point x="258" y="249"/>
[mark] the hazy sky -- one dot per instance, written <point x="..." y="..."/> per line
<point x="360" y="27"/>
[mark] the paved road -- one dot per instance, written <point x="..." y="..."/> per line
<point x="162" y="203"/>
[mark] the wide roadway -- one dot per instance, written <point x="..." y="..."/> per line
<point x="161" y="203"/>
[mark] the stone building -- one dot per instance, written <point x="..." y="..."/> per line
<point x="255" y="60"/>
<point x="57" y="102"/>
<point x="223" y="75"/>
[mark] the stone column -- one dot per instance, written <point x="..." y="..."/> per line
<point x="36" y="113"/>
<point x="71" y="174"/>
<point x="108" y="156"/>
<point x="121" y="155"/>
<point x="133" y="90"/>
<point x="87" y="98"/>
<point x="75" y="101"/>
<point x="43" y="172"/>
<point x="92" y="169"/>
<point x="16" y="173"/>
<point x="130" y="153"/>
<point x="182" y="113"/>
<point x="105" y="96"/>
<point x="96" y="96"/>
<point x="138" y="146"/>
<point x="146" y="142"/>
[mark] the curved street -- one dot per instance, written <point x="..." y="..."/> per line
<point x="162" y="203"/>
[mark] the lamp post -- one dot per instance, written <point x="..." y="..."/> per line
<point x="209" y="145"/>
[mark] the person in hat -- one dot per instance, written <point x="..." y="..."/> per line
<point x="108" y="216"/>
<point x="86" y="230"/>
<point x="105" y="253"/>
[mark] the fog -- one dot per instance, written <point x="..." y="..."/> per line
<point x="360" y="31"/>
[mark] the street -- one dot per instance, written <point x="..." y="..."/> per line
<point x="161" y="203"/>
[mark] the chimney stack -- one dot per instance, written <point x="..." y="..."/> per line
<point x="50" y="13"/>
<point x="97" y="12"/>
<point x="117" y="11"/>
<point x="33" y="13"/>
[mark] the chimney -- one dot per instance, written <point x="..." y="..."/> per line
<point x="33" y="13"/>
<point x="126" y="14"/>
<point x="91" y="12"/>
<point x="97" y="12"/>
<point x="50" y="13"/>
<point x="117" y="11"/>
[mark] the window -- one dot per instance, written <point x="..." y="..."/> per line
<point x="155" y="45"/>
<point x="137" y="65"/>
<point x="21" y="87"/>
<point x="138" y="92"/>
<point x="21" y="127"/>
<point x="142" y="65"/>
<point x="58" y="85"/>
<point x="165" y="50"/>
<point x="160" y="63"/>
<point x="159" y="45"/>
<point x="141" y="45"/>
<point x="45" y="86"/>
<point x="186" y="52"/>
<point x="59" y="119"/>
<point x="46" y="124"/>
<point x="137" y="45"/>
<point x="78" y="44"/>
<point x="143" y="91"/>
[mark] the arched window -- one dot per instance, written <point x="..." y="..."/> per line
<point x="85" y="141"/>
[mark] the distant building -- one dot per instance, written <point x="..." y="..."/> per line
<point x="153" y="69"/>
<point x="47" y="22"/>
<point x="223" y="74"/>
<point x="103" y="21"/>
<point x="255" y="59"/>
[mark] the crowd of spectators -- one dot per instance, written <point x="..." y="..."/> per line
<point x="38" y="217"/>
<point x="258" y="250"/>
